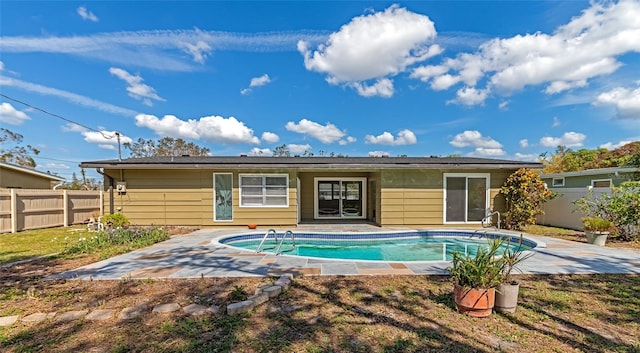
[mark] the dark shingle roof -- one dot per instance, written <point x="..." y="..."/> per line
<point x="243" y="162"/>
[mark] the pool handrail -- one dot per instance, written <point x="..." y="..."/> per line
<point x="275" y="236"/>
<point x="293" y="241"/>
<point x="487" y="218"/>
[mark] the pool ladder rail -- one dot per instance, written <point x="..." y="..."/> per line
<point x="275" y="237"/>
<point x="487" y="219"/>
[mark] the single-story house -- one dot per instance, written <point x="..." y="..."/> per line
<point x="18" y="177"/>
<point x="287" y="191"/>
<point x="591" y="178"/>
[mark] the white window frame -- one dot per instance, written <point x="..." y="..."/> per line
<point x="214" y="198"/>
<point x="263" y="176"/>
<point x="487" y="177"/>
<point x="601" y="187"/>
<point x="560" y="183"/>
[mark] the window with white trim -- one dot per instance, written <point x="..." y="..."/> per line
<point x="264" y="190"/>
<point x="557" y="182"/>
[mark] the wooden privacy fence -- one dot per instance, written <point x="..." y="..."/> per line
<point x="561" y="212"/>
<point x="22" y="209"/>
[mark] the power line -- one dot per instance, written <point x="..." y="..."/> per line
<point x="58" y="116"/>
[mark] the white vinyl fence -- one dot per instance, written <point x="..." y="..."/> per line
<point x="22" y="209"/>
<point x="561" y="212"/>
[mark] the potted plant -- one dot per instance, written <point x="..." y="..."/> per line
<point x="507" y="292"/>
<point x="475" y="279"/>
<point x="597" y="229"/>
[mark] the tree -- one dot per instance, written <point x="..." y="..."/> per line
<point x="166" y="146"/>
<point x="524" y="193"/>
<point x="17" y="154"/>
<point x="281" y="151"/>
<point x="567" y="160"/>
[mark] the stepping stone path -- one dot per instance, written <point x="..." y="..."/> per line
<point x="261" y="296"/>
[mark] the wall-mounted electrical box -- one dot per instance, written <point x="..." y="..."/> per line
<point x="121" y="187"/>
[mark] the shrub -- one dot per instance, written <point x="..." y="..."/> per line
<point x="116" y="220"/>
<point x="127" y="239"/>
<point x="621" y="207"/>
<point x="596" y="224"/>
<point x="524" y="193"/>
<point x="480" y="271"/>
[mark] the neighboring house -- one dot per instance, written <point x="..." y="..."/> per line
<point x="571" y="186"/>
<point x="594" y="178"/>
<point x="17" y="177"/>
<point x="286" y="191"/>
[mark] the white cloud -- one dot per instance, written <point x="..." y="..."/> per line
<point x="208" y="128"/>
<point x="487" y="152"/>
<point x="325" y="134"/>
<point x="105" y="139"/>
<point x="12" y="116"/>
<point x="256" y="82"/>
<point x="586" y="47"/>
<point x="136" y="88"/>
<point x="298" y="149"/>
<point x="71" y="97"/>
<point x="260" y="81"/>
<point x="378" y="154"/>
<point x="373" y="46"/>
<point x="261" y="151"/>
<point x="474" y="139"/>
<point x="158" y="49"/>
<point x="1" y="66"/>
<point x="469" y="96"/>
<point x="526" y="157"/>
<point x="404" y="137"/>
<point x="383" y="88"/>
<point x="86" y="14"/>
<point x="270" y="137"/>
<point x="69" y="127"/>
<point x="612" y="146"/>
<point x="59" y="166"/>
<point x="561" y="86"/>
<point x="556" y="122"/>
<point x="568" y="139"/>
<point x="504" y="105"/>
<point x="524" y="143"/>
<point x="347" y="140"/>
<point x="626" y="102"/>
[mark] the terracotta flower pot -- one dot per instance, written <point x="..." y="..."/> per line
<point x="507" y="297"/>
<point x="252" y="226"/>
<point x="476" y="302"/>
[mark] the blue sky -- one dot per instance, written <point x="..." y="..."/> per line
<point x="502" y="79"/>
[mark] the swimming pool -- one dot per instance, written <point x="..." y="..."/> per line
<point x="425" y="245"/>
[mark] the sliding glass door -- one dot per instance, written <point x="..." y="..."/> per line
<point x="466" y="197"/>
<point x="340" y="198"/>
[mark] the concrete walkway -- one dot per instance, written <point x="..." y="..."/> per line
<point x="195" y="255"/>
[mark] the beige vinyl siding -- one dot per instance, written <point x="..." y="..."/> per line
<point x="185" y="197"/>
<point x="10" y="178"/>
<point x="414" y="198"/>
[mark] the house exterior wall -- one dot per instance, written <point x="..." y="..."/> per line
<point x="395" y="197"/>
<point x="10" y="178"/>
<point x="185" y="197"/>
<point x="416" y="197"/>
<point x="582" y="181"/>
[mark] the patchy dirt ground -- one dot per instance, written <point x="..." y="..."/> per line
<point x="597" y="313"/>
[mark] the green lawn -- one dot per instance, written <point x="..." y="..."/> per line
<point x="39" y="242"/>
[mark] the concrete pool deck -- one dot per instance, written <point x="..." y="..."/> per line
<point x="194" y="255"/>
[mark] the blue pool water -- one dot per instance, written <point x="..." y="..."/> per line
<point x="403" y="246"/>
